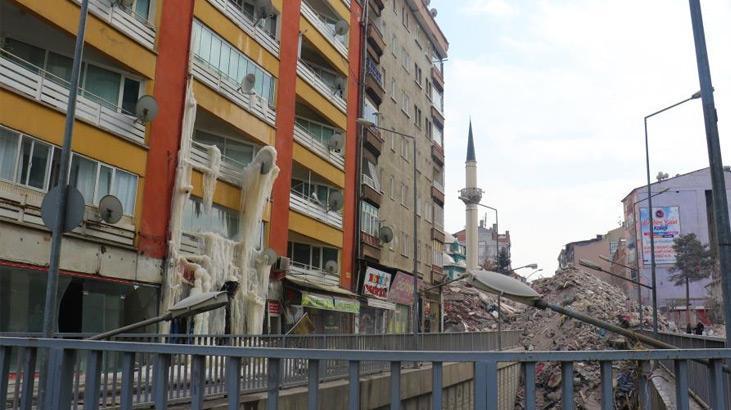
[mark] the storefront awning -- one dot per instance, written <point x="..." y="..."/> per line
<point x="381" y="304"/>
<point x="326" y="302"/>
<point x="312" y="284"/>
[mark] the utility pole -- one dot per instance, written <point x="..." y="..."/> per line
<point x="718" y="183"/>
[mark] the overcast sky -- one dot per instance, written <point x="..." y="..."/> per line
<point x="557" y="91"/>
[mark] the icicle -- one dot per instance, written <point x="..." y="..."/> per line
<point x="210" y="176"/>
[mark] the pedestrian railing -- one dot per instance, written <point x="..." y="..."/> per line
<point x="161" y="382"/>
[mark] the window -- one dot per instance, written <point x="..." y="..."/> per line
<point x="417" y="116"/>
<point x="404" y="195"/>
<point x="437" y="99"/>
<point x="437" y="254"/>
<point x="369" y="219"/>
<point x="142" y="9"/>
<point x="229" y="62"/>
<point x="428" y="211"/>
<point x="405" y="60"/>
<point x="318" y="131"/>
<point x="404" y="244"/>
<point x="370" y="112"/>
<point x="405" y="103"/>
<point x="312" y="257"/>
<point x="393" y="142"/>
<point x="394" y="49"/>
<point x="392" y="187"/>
<point x="95" y="180"/>
<point x="231" y="148"/>
<point x="438" y="214"/>
<point x="417" y="74"/>
<point x="370" y="176"/>
<point x="395" y="7"/>
<point x="313" y="192"/>
<point x="428" y="90"/>
<point x="247" y="8"/>
<point x="428" y="126"/>
<point x="405" y="148"/>
<point x="219" y="220"/>
<point x="393" y="89"/>
<point x="437" y="135"/>
<point x="405" y="17"/>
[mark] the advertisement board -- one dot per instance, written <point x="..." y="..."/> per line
<point x="402" y="289"/>
<point x="376" y="283"/>
<point x="666" y="228"/>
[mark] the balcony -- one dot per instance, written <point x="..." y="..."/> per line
<point x="231" y="90"/>
<point x="437" y="274"/>
<point x="437" y="153"/>
<point x="374" y="82"/>
<point x="233" y="11"/>
<point x="313" y="274"/>
<point x="437" y="234"/>
<point x="437" y="192"/>
<point x="325" y="28"/>
<point x="231" y="170"/>
<point x="370" y="193"/>
<point x="376" y="7"/>
<point x="30" y="81"/>
<point x="437" y="78"/>
<point x="371" y="246"/>
<point x="437" y="115"/>
<point x="315" y="210"/>
<point x="373" y="140"/>
<point x="136" y="27"/>
<point x="308" y="72"/>
<point x="314" y="143"/>
<point x="375" y="39"/>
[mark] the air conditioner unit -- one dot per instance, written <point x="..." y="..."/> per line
<point x="282" y="264"/>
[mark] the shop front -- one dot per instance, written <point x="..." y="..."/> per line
<point x="401" y="294"/>
<point x="317" y="308"/>
<point x="375" y="311"/>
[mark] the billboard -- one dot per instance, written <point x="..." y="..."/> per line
<point x="376" y="283"/>
<point x="666" y="229"/>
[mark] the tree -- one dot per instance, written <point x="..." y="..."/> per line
<point x="503" y="261"/>
<point x="693" y="262"/>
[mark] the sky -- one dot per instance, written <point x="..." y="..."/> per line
<point x="557" y="91"/>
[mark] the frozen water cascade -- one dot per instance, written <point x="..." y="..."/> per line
<point x="219" y="259"/>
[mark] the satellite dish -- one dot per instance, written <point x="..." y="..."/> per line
<point x="336" y="142"/>
<point x="247" y="83"/>
<point x="264" y="9"/>
<point x="146" y="109"/>
<point x="385" y="234"/>
<point x="335" y="201"/>
<point x="427" y="2"/>
<point x="339" y="86"/>
<point x="110" y="209"/>
<point x="331" y="267"/>
<point x="266" y="158"/>
<point x="433" y="12"/>
<point x="124" y="3"/>
<point x="341" y="27"/>
<point x="268" y="256"/>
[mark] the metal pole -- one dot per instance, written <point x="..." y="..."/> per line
<point x="651" y="233"/>
<point x="497" y="237"/>
<point x="416" y="243"/>
<point x="49" y="309"/>
<point x="720" y="202"/>
<point x="499" y="325"/>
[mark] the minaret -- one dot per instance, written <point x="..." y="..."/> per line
<point x="471" y="196"/>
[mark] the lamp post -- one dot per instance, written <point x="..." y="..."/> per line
<point x="414" y="314"/>
<point x="651" y="228"/>
<point x="533" y="273"/>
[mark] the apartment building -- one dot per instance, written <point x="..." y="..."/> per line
<point x="231" y="79"/>
<point x="403" y="92"/>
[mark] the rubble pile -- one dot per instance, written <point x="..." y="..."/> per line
<point x="468" y="309"/>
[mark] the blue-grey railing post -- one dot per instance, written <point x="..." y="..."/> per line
<point x="436" y="385"/>
<point x="644" y="390"/>
<point x="91" y="379"/>
<point x="313" y="384"/>
<point x="197" y="381"/>
<point x="273" y="381"/>
<point x="29" y="368"/>
<point x="4" y="373"/>
<point x="529" y="379"/>
<point x="486" y="395"/>
<point x="607" y="393"/>
<point x="128" y="367"/>
<point x="354" y="390"/>
<point x="60" y="379"/>
<point x="567" y="385"/>
<point x="395" y="385"/>
<point x="233" y="384"/>
<point x="682" y="401"/>
<point x="161" y="374"/>
<point x="716" y="386"/>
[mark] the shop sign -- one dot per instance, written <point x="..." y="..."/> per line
<point x="313" y="300"/>
<point x="275" y="308"/>
<point x="402" y="289"/>
<point x="376" y="283"/>
<point x="346" y="305"/>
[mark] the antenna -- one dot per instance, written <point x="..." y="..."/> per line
<point x="247" y="83"/>
<point x="385" y="234"/>
<point x="146" y="109"/>
<point x="335" y="143"/>
<point x="110" y="209"/>
<point x="331" y="267"/>
<point x="335" y="201"/>
<point x="341" y="27"/>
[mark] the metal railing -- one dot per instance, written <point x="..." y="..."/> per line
<point x="308" y="72"/>
<point x="305" y="205"/>
<point x="218" y="371"/>
<point x="326" y="29"/>
<point x="233" y="11"/>
<point x="136" y="27"/>
<point x="696" y="371"/>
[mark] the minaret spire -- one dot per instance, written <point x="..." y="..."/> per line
<point x="470" y="145"/>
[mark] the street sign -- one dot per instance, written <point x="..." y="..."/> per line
<point x="74" y="208"/>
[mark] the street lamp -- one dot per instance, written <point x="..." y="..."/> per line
<point x="190" y="306"/>
<point x="651" y="228"/>
<point x="415" y="315"/>
<point x="530" y="265"/>
<point x="533" y="273"/>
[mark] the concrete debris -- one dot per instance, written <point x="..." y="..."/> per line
<point x="468" y="309"/>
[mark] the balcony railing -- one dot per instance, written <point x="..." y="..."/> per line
<point x="372" y="69"/>
<point x="334" y="95"/>
<point x="305" y="206"/>
<point x="233" y="12"/>
<point x="162" y="372"/>
<point x="230" y="89"/>
<point x="136" y="27"/>
<point x="438" y="185"/>
<point x="327" y="30"/>
<point x="23" y="78"/>
<point x="231" y="170"/>
<point x="313" y="273"/>
<point x="302" y="136"/>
